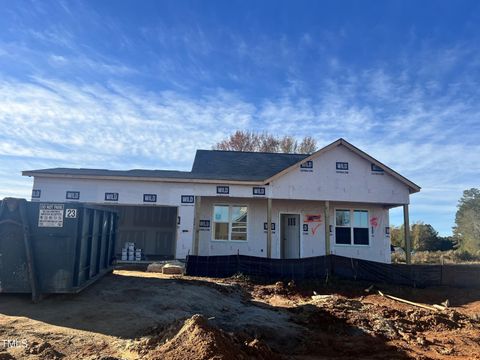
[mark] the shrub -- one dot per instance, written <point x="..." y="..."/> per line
<point x="436" y="257"/>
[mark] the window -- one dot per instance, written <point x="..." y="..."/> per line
<point x="376" y="168"/>
<point x="343" y="234"/>
<point x="351" y="227"/>
<point x="230" y="222"/>
<point x="307" y="165"/>
<point x="360" y="227"/>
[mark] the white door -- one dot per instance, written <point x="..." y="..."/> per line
<point x="290" y="236"/>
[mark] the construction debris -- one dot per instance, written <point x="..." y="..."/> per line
<point x="428" y="307"/>
<point x="173" y="269"/>
<point x="169" y="268"/>
<point x="155" y="267"/>
<point x="321" y="297"/>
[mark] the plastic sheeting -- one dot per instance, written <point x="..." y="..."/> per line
<point x="226" y="266"/>
<point x="339" y="266"/>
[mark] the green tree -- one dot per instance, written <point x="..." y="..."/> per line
<point x="446" y="243"/>
<point x="424" y="237"/>
<point x="396" y="236"/>
<point x="467" y="221"/>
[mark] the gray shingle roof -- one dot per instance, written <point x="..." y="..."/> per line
<point x="252" y="165"/>
<point x="208" y="164"/>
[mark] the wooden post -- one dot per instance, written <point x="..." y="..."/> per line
<point x="406" y="229"/>
<point x="327" y="228"/>
<point x="196" y="239"/>
<point x="269" y="228"/>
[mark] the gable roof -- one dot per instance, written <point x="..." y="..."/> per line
<point x="413" y="188"/>
<point x="213" y="166"/>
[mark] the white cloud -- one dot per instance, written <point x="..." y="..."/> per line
<point x="92" y="124"/>
<point x="403" y="114"/>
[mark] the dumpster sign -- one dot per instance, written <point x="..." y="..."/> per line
<point x="50" y="215"/>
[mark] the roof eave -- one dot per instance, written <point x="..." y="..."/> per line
<point x="142" y="178"/>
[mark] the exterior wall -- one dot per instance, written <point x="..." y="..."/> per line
<point x="324" y="182"/>
<point x="130" y="193"/>
<point x="312" y="242"/>
<point x="379" y="244"/>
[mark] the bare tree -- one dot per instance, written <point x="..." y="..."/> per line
<point x="268" y="143"/>
<point x="308" y="145"/>
<point x="239" y="141"/>
<point x="265" y="142"/>
<point x="288" y="144"/>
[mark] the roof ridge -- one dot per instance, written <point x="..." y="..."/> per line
<point x="253" y="152"/>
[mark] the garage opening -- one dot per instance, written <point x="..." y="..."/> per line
<point x="151" y="228"/>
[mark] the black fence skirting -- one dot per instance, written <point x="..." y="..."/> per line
<point x="339" y="266"/>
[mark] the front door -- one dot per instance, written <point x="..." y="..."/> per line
<point x="290" y="235"/>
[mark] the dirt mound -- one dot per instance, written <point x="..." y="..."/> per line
<point x="45" y="350"/>
<point x="344" y="326"/>
<point x="347" y="315"/>
<point x="197" y="339"/>
<point x="5" y="356"/>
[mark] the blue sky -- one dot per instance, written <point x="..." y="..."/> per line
<point x="143" y="84"/>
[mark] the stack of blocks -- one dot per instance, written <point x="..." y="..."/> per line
<point x="130" y="253"/>
<point x="138" y="254"/>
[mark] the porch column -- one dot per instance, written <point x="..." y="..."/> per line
<point x="327" y="228"/>
<point x="196" y="237"/>
<point x="269" y="228"/>
<point x="406" y="229"/>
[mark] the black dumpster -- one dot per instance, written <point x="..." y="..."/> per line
<point x="54" y="247"/>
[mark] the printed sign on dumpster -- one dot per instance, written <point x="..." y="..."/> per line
<point x="50" y="215"/>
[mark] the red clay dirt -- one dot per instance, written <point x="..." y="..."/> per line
<point x="138" y="315"/>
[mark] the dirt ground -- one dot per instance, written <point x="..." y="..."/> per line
<point x="139" y="315"/>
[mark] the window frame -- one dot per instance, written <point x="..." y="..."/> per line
<point x="351" y="226"/>
<point x="230" y="222"/>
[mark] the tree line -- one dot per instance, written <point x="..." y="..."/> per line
<point x="466" y="232"/>
<point x="266" y="142"/>
<point x="423" y="237"/>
